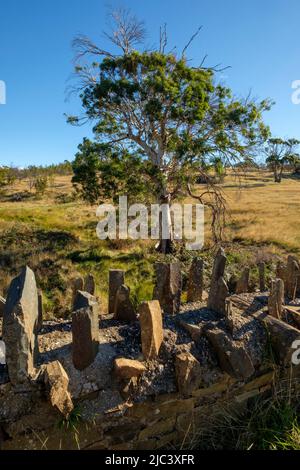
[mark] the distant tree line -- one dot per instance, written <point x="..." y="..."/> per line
<point x="37" y="177"/>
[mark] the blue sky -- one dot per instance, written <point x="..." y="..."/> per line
<point x="259" y="39"/>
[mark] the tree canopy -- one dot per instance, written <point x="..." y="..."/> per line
<point x="164" y="119"/>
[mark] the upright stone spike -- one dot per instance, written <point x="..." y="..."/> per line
<point x="85" y="334"/>
<point x="20" y="324"/>
<point x="77" y="285"/>
<point x="116" y="279"/>
<point x="124" y="310"/>
<point x="292" y="277"/>
<point x="40" y="309"/>
<point x="85" y="300"/>
<point x="89" y="284"/>
<point x="2" y="306"/>
<point x="218" y="287"/>
<point x="195" y="281"/>
<point x="188" y="373"/>
<point x="281" y="271"/>
<point x="262" y="276"/>
<point x="276" y="298"/>
<point x="151" y="328"/>
<point x="242" y="284"/>
<point x="168" y="286"/>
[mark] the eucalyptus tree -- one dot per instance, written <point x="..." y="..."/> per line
<point x="159" y="120"/>
<point x="279" y="153"/>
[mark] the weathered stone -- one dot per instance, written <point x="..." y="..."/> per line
<point x="217" y="296"/>
<point x="89" y="284"/>
<point x="281" y="271"/>
<point x="57" y="380"/>
<point x="84" y="299"/>
<point x="20" y="322"/>
<point x="168" y="286"/>
<point x="262" y="276"/>
<point x="85" y="334"/>
<point x="219" y="266"/>
<point x="282" y="336"/>
<point x="276" y="298"/>
<point x="2" y="306"/>
<point x="127" y="368"/>
<point x="242" y="284"/>
<point x="292" y="277"/>
<point x="116" y="279"/>
<point x="195" y="281"/>
<point x="216" y="388"/>
<point x="229" y="320"/>
<point x="162" y="426"/>
<point x="151" y="328"/>
<point x="124" y="310"/>
<point x="259" y="382"/>
<point x="218" y="287"/>
<point x="2" y="353"/>
<point x="77" y="284"/>
<point x="233" y="357"/>
<point x="40" y="311"/>
<point x="188" y="373"/>
<point x="195" y="331"/>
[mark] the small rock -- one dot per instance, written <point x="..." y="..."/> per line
<point x="188" y="373"/>
<point x="57" y="380"/>
<point x="128" y="368"/>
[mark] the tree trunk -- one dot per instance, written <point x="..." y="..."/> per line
<point x="277" y="175"/>
<point x="165" y="244"/>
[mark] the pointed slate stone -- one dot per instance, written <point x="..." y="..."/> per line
<point x="218" y="287"/>
<point x="188" y="373"/>
<point x="195" y="281"/>
<point x="2" y="305"/>
<point x="116" y="279"/>
<point x="84" y="299"/>
<point x="124" y="310"/>
<point x="20" y="322"/>
<point x="168" y="286"/>
<point x="276" y="298"/>
<point x="151" y="328"/>
<point x="262" y="276"/>
<point x="292" y="277"/>
<point x="89" y="284"/>
<point x="40" y="310"/>
<point x="242" y="284"/>
<point x="85" y="335"/>
<point x="57" y="381"/>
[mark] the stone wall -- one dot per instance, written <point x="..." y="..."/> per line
<point x="147" y="378"/>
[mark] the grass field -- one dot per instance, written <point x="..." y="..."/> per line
<point x="56" y="236"/>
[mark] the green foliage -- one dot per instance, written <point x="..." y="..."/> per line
<point x="277" y="428"/>
<point x="70" y="424"/>
<point x="7" y="176"/>
<point x="157" y="120"/>
<point x="40" y="185"/>
<point x="102" y="172"/>
<point x="281" y="152"/>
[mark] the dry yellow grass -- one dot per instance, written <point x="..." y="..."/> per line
<point x="261" y="211"/>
